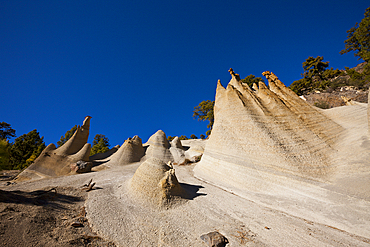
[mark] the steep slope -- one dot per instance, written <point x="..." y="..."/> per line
<point x="270" y="146"/>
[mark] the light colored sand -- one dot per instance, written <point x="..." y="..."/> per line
<point x="116" y="216"/>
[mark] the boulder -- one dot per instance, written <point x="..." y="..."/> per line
<point x="81" y="166"/>
<point x="214" y="239"/>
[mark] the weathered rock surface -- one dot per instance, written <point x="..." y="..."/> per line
<point x="131" y="151"/>
<point x="57" y="161"/>
<point x="214" y="239"/>
<point x="81" y="166"/>
<point x="269" y="145"/>
<point x="177" y="151"/>
<point x="159" y="147"/>
<point x="102" y="156"/>
<point x="270" y="129"/>
<point x="195" y="149"/>
<point x="368" y="113"/>
<point x="155" y="182"/>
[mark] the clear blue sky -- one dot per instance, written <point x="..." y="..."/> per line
<point x="140" y="66"/>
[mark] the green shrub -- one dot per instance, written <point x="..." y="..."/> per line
<point x="322" y="104"/>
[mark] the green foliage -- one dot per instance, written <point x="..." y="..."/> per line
<point x="301" y="86"/>
<point x="193" y="136"/>
<point x="359" y="38"/>
<point x="67" y="136"/>
<point x="322" y="105"/>
<point x="170" y="138"/>
<point x="314" y="67"/>
<point x="252" y="79"/>
<point x="204" y="112"/>
<point x="100" y="144"/>
<point x="356" y="79"/>
<point x="4" y="155"/>
<point x="26" y="149"/>
<point x="183" y="138"/>
<point x="202" y="136"/>
<point x="6" y="131"/>
<point x="208" y="132"/>
<point x="353" y="74"/>
<point x="316" y="76"/>
<point x="331" y="73"/>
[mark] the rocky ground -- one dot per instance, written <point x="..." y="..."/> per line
<point x="333" y="99"/>
<point x="52" y="216"/>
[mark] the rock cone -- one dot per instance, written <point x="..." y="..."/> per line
<point x="131" y="151"/>
<point x="155" y="182"/>
<point x="159" y="147"/>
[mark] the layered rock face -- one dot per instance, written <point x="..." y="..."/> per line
<point x="270" y="146"/>
<point x="268" y="129"/>
<point x="57" y="161"/>
<point x="159" y="147"/>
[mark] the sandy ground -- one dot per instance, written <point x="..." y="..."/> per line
<point x="35" y="216"/>
<point x="117" y="218"/>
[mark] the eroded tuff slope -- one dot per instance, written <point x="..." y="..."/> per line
<point x="73" y="156"/>
<point x="271" y="129"/>
<point x="54" y="161"/>
<point x="270" y="146"/>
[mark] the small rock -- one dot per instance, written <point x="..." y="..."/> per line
<point x="77" y="224"/>
<point x="81" y="166"/>
<point x="214" y="239"/>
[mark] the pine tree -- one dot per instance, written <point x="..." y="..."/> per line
<point x="26" y="149"/>
<point x="100" y="144"/>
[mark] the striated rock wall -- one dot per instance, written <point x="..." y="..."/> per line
<point x="270" y="129"/>
<point x="271" y="147"/>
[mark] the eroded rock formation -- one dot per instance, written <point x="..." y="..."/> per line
<point x="159" y="147"/>
<point x="270" y="146"/>
<point x="57" y="161"/>
<point x="131" y="151"/>
<point x="269" y="129"/>
<point x="177" y="151"/>
<point x="155" y="182"/>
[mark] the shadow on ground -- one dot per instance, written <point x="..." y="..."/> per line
<point x="192" y="191"/>
<point x="50" y="197"/>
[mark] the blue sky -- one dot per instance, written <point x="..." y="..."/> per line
<point x="140" y="66"/>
